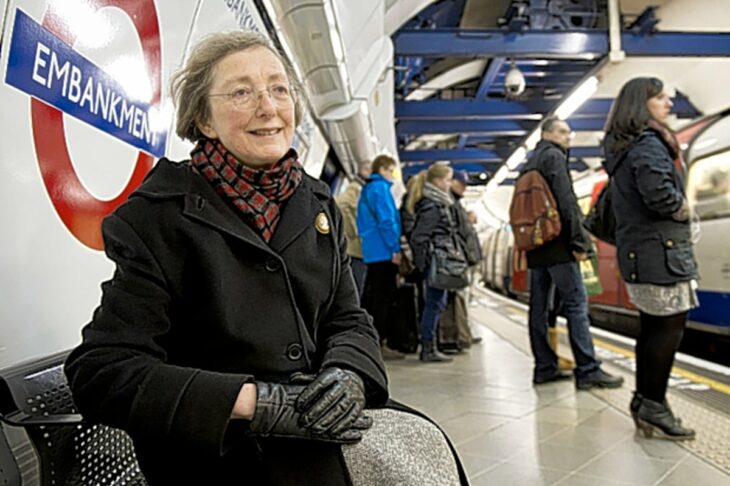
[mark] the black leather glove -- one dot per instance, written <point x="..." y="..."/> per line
<point x="276" y="416"/>
<point x="333" y="403"/>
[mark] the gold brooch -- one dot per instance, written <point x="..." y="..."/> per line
<point x="322" y="224"/>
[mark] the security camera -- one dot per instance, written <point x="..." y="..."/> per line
<point x="514" y="82"/>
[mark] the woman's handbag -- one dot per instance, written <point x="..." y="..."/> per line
<point x="600" y="221"/>
<point x="448" y="267"/>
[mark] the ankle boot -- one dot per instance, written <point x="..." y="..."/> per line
<point x="636" y="403"/>
<point x="430" y="353"/>
<point x="634" y="407"/>
<point x="657" y="417"/>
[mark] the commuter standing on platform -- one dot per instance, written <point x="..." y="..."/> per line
<point x="435" y="227"/>
<point x="378" y="222"/>
<point x="468" y="236"/>
<point x="231" y="330"/>
<point x="556" y="262"/>
<point x="347" y="202"/>
<point x="653" y="241"/>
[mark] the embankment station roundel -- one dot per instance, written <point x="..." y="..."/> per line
<point x="79" y="210"/>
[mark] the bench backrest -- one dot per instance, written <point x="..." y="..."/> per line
<point x="35" y="397"/>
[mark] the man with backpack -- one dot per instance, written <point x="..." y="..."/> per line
<point x="553" y="258"/>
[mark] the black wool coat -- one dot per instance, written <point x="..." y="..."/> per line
<point x="551" y="161"/>
<point x="647" y="191"/>
<point x="198" y="306"/>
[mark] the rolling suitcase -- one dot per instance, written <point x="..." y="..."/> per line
<point x="404" y="320"/>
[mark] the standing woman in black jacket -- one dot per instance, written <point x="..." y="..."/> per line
<point x="435" y="226"/>
<point x="653" y="240"/>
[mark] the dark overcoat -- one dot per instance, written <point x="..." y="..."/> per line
<point x="551" y="161"/>
<point x="435" y="226"/>
<point x="199" y="305"/>
<point x="647" y="191"/>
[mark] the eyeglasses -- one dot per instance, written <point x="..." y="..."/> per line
<point x="248" y="99"/>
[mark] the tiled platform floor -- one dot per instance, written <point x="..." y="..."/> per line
<point x="510" y="433"/>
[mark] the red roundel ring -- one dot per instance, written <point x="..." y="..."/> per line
<point x="79" y="210"/>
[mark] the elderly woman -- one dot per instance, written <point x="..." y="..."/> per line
<point x="231" y="326"/>
<point x="654" y="246"/>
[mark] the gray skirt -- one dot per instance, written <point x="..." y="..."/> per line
<point x="663" y="300"/>
<point x="401" y="449"/>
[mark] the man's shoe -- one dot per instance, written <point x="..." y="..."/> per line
<point x="450" y="348"/>
<point x="391" y="354"/>
<point x="558" y="376"/>
<point x="598" y="379"/>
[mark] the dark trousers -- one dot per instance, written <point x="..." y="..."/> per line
<point x="569" y="285"/>
<point x="658" y="341"/>
<point x="435" y="305"/>
<point x="359" y="271"/>
<point x="379" y="294"/>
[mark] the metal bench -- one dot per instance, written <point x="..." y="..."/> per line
<point x="44" y="440"/>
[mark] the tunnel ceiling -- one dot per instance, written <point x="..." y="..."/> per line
<point x="452" y="62"/>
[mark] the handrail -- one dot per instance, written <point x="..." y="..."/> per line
<point x="22" y="419"/>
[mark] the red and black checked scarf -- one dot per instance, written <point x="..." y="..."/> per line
<point x="257" y="193"/>
<point x="670" y="140"/>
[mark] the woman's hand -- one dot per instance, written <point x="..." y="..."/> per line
<point x="275" y="415"/>
<point x="333" y="403"/>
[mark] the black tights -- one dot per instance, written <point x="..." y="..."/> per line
<point x="658" y="340"/>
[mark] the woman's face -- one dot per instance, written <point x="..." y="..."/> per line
<point x="444" y="183"/>
<point x="659" y="106"/>
<point x="261" y="134"/>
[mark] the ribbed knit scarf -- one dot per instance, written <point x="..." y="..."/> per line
<point x="257" y="193"/>
<point x="432" y="192"/>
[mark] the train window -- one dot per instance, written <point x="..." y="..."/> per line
<point x="708" y="186"/>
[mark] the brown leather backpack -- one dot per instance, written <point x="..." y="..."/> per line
<point x="533" y="213"/>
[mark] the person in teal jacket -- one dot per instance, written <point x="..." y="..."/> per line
<point x="378" y="223"/>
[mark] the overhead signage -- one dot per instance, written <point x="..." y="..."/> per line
<point x="43" y="63"/>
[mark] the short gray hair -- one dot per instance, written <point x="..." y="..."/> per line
<point x="548" y="123"/>
<point x="190" y="85"/>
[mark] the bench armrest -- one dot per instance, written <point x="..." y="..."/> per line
<point x="21" y="419"/>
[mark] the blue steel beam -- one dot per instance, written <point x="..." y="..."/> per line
<point x="489" y="167"/>
<point x="573" y="164"/>
<point x="490" y="74"/>
<point x="418" y="127"/>
<point x="470" y="108"/>
<point x="498" y="43"/>
<point x="511" y="127"/>
<point x="477" y="155"/>
<point x="582" y="152"/>
<point x="562" y="66"/>
<point x="542" y="78"/>
<point x="449" y="154"/>
<point x="556" y="44"/>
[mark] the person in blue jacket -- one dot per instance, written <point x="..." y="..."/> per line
<point x="378" y="223"/>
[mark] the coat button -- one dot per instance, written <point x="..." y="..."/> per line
<point x="669" y="243"/>
<point x="273" y="265"/>
<point x="294" y="351"/>
<point x="632" y="255"/>
<point x="633" y="276"/>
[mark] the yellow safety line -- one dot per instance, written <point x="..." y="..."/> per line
<point x="715" y="385"/>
